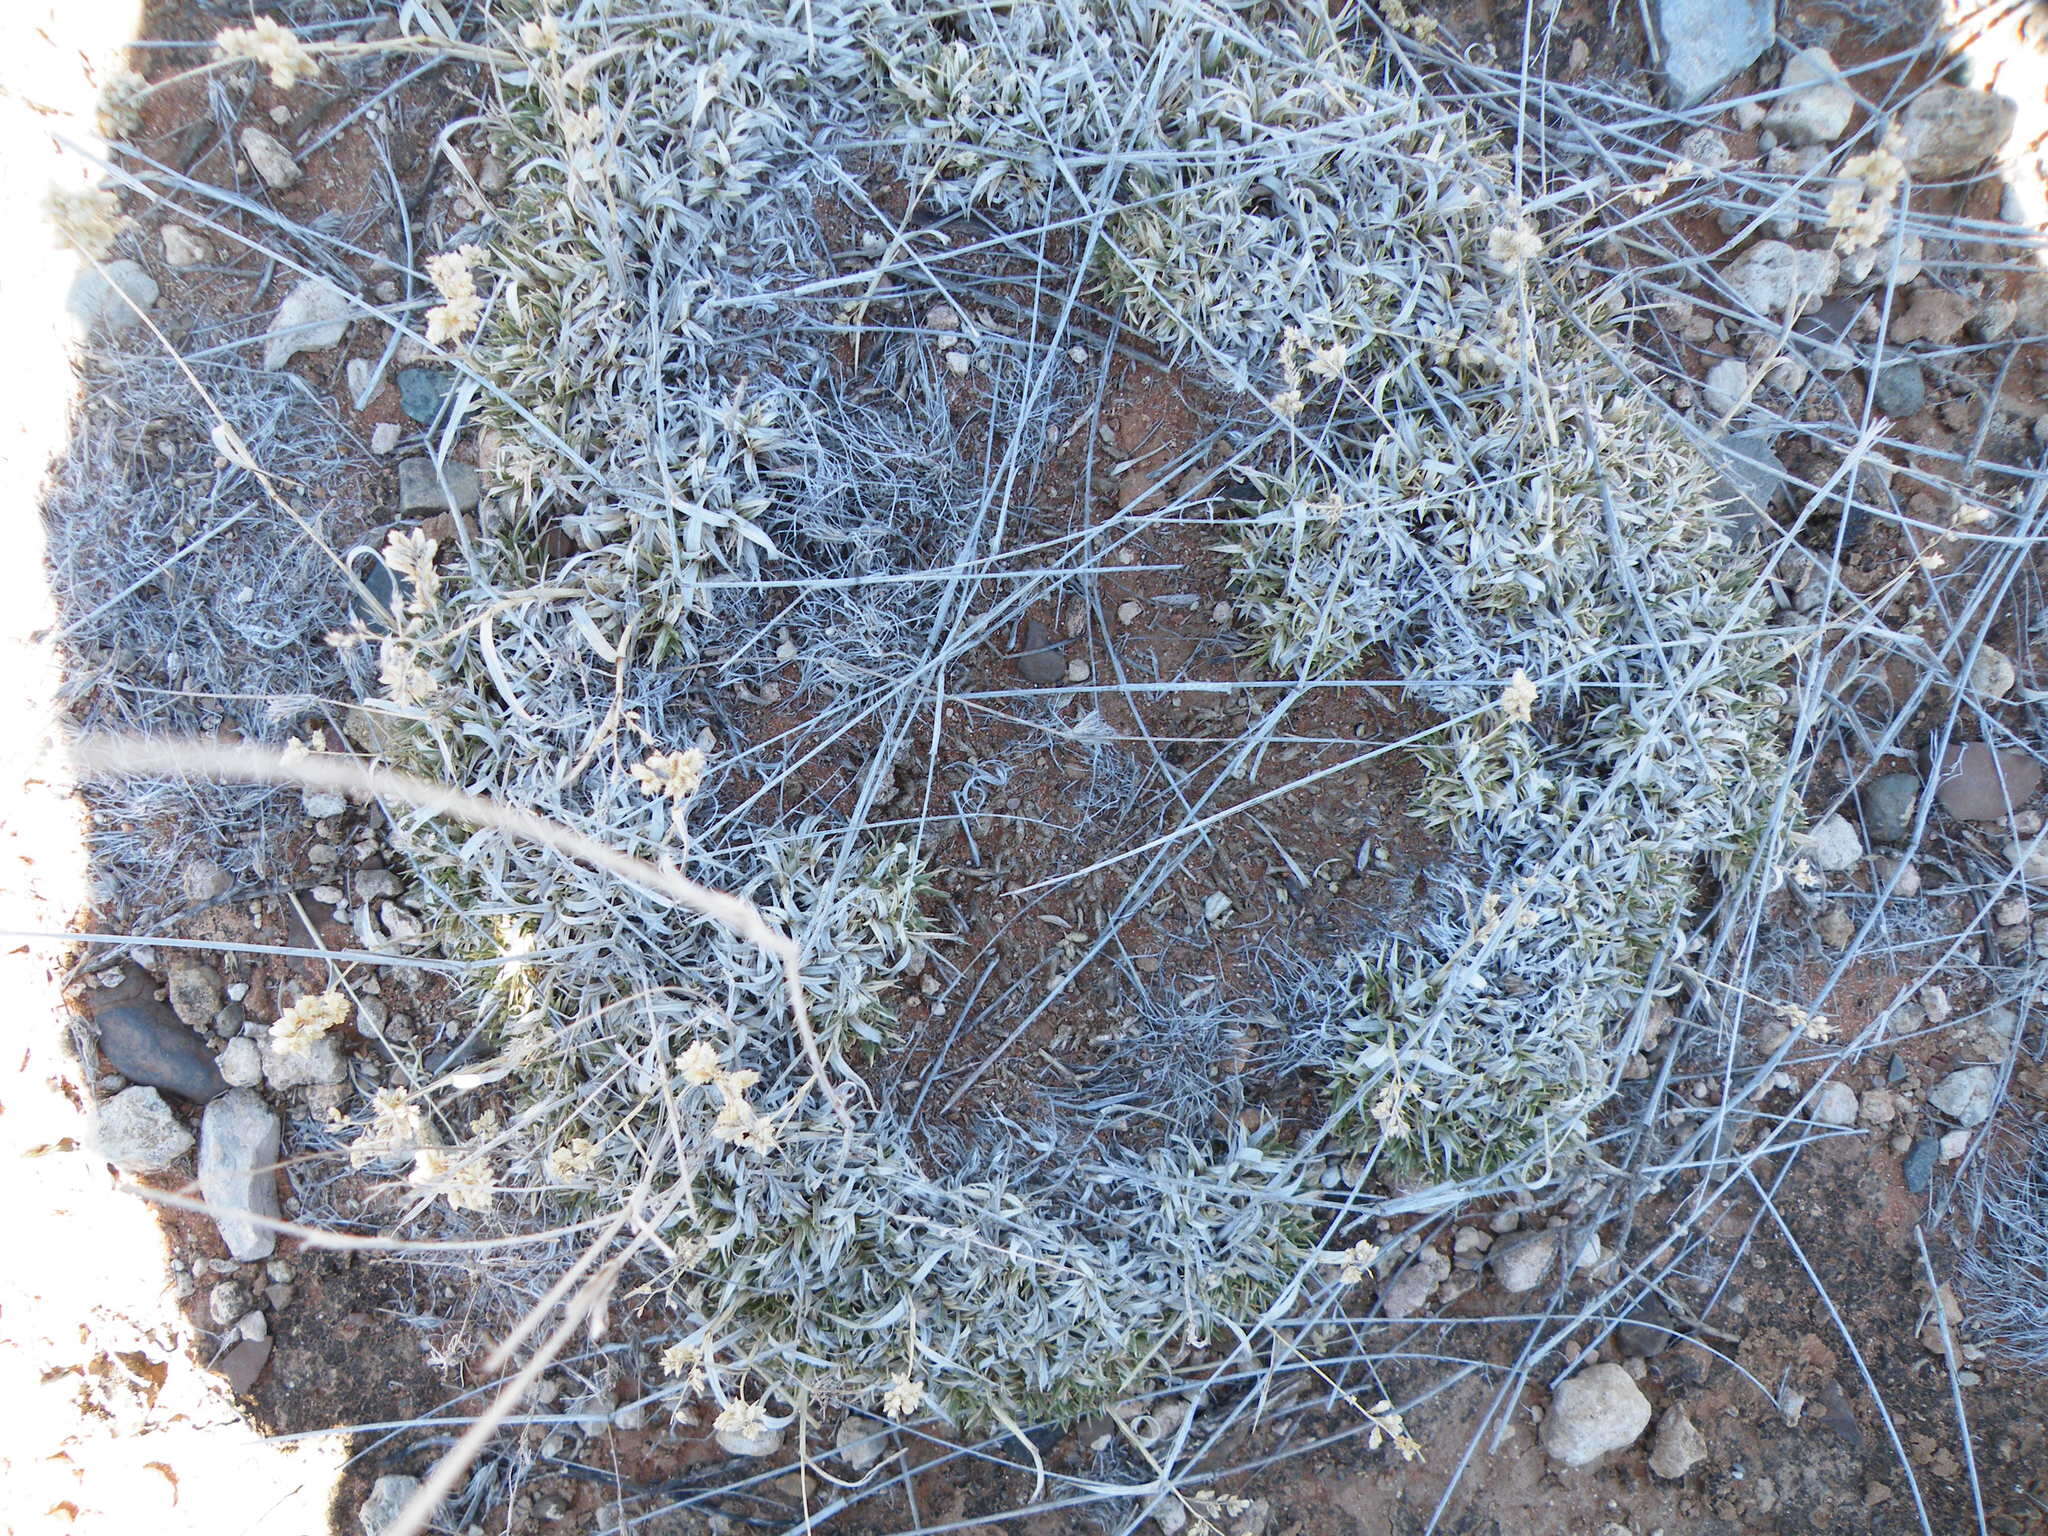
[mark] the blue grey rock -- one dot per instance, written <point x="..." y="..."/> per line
<point x="147" y="1044"/>
<point x="1751" y="477"/>
<point x="1704" y="44"/>
<point x="1899" y="388"/>
<point x="238" y="1146"/>
<point x="100" y="296"/>
<point x="423" y="392"/>
<point x="1919" y="1164"/>
<point x="1889" y="803"/>
<point x="450" y="487"/>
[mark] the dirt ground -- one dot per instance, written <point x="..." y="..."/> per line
<point x="1800" y="1346"/>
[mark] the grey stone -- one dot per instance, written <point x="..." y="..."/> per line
<point x="194" y="991"/>
<point x="100" y="297"/>
<point x="271" y="160"/>
<point x="1899" y="388"/>
<point x="242" y="1364"/>
<point x="1522" y="1264"/>
<point x="1703" y="44"/>
<point x="1890" y="802"/>
<point x="1966" y="1095"/>
<point x="1815" y="103"/>
<point x="1039" y="659"/>
<point x="1992" y="674"/>
<point x="422" y="392"/>
<point x="379" y="1512"/>
<point x="1895" y="1070"/>
<point x="1834" y="927"/>
<point x="1835" y="1104"/>
<point x="1835" y="844"/>
<point x="420" y="487"/>
<point x="1751" y="474"/>
<point x="145" y="1043"/>
<point x="1975" y="782"/>
<point x="1950" y="131"/>
<point x="1599" y="1410"/>
<point x="1678" y="1447"/>
<point x="1706" y="149"/>
<point x="240" y="1063"/>
<point x="319" y="804"/>
<point x="738" y="1442"/>
<point x="860" y="1443"/>
<point x="202" y="880"/>
<point x="238" y="1145"/>
<point x="1773" y="278"/>
<point x="1726" y="387"/>
<point x="184" y="248"/>
<point x="313" y="318"/>
<point x="136" y="1132"/>
<point x="1648" y="1329"/>
<point x="1409" y="1291"/>
<point x="1919" y="1164"/>
<point x="320" y="1061"/>
<point x="226" y="1302"/>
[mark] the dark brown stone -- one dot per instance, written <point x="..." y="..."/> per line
<point x="1040" y="659"/>
<point x="244" y="1363"/>
<point x="1975" y="782"/>
<point x="147" y="1044"/>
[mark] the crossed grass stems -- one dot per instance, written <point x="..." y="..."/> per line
<point x="1307" y="1353"/>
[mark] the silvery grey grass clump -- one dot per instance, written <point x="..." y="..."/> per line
<point x="721" y="458"/>
<point x="191" y="600"/>
<point x="2006" y="1273"/>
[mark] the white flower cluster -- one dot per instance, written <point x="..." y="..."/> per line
<point x="738" y="1121"/>
<point x="461" y="306"/>
<point x="308" y="1021"/>
<point x="274" y="46"/>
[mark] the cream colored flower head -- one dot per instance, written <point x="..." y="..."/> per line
<point x="307" y="1022"/>
<point x="461" y="308"/>
<point x="274" y="46"/>
<point x="903" y="1397"/>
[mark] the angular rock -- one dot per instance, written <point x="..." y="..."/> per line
<point x="183" y="248"/>
<point x="1933" y="315"/>
<point x="1751" y="475"/>
<point x="421" y="487"/>
<point x="1648" y="1329"/>
<point x="860" y="1443"/>
<point x="1992" y="674"/>
<point x="202" y="881"/>
<point x="1725" y="387"/>
<point x="1899" y="388"/>
<point x="146" y="1044"/>
<point x="1522" y="1264"/>
<point x="1950" y="131"/>
<point x="1919" y="1164"/>
<point x="242" y="1364"/>
<point x="136" y="1132"/>
<point x="1703" y="44"/>
<point x="320" y="1061"/>
<point x="240" y="1063"/>
<point x="1039" y="659"/>
<point x="1975" y="782"/>
<point x="1834" y="927"/>
<point x="270" y="160"/>
<point x="1966" y="1095"/>
<point x="1890" y="802"/>
<point x="1706" y="149"/>
<point x="1772" y="278"/>
<point x="1815" y="103"/>
<point x="194" y="992"/>
<point x="1835" y="844"/>
<point x="1409" y="1291"/>
<point x="1597" y="1411"/>
<point x="379" y="1512"/>
<point x="1835" y="1104"/>
<point x="1678" y="1447"/>
<point x="238" y="1145"/>
<point x="100" y="297"/>
<point x="423" y="392"/>
<point x="313" y="318"/>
